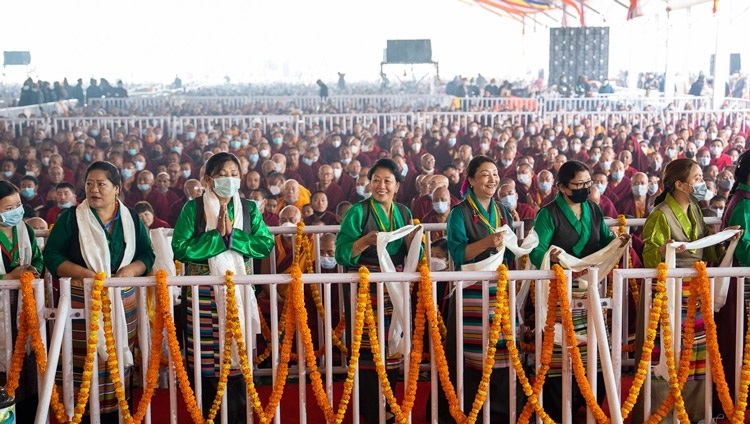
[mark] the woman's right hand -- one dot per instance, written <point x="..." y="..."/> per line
<point x="495" y="240"/>
<point x="663" y="248"/>
<point x="554" y="256"/>
<point x="369" y="239"/>
<point x="221" y="221"/>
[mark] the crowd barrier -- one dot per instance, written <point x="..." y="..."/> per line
<point x="160" y="103"/>
<point x="175" y="125"/>
<point x="613" y="299"/>
<point x="62" y="332"/>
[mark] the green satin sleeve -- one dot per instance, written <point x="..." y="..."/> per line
<point x="456" y="237"/>
<point x="256" y="244"/>
<point x="741" y="216"/>
<point x="350" y="231"/>
<point x="656" y="231"/>
<point x="188" y="248"/>
<point x="58" y="243"/>
<point x="545" y="229"/>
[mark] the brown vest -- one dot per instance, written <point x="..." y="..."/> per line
<point x="686" y="258"/>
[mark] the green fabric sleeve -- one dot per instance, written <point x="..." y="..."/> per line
<point x="545" y="229"/>
<point x="741" y="216"/>
<point x="198" y="249"/>
<point x="655" y="232"/>
<point x="351" y="231"/>
<point x="457" y="238"/>
<point x="256" y="244"/>
<point x="57" y="246"/>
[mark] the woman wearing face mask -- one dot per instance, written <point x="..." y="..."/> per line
<point x="576" y="225"/>
<point x="217" y="232"/>
<point x="20" y="254"/>
<point x="356" y="246"/>
<point x="677" y="217"/>
<point x="472" y="237"/>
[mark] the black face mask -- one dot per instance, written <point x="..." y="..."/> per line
<point x="580" y="195"/>
<point x="689" y="154"/>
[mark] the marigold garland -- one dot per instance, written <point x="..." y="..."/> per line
<point x="531" y="392"/>
<point x="402" y="411"/>
<point x="235" y="330"/>
<point x="154" y="364"/>
<point x="648" y="344"/>
<point x="363" y="294"/>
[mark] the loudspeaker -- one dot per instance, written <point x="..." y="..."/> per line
<point x="16" y="58"/>
<point x="408" y="51"/>
<point x="578" y="51"/>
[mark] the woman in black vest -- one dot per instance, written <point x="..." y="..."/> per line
<point x="472" y="237"/>
<point x="356" y="246"/>
<point x="576" y="225"/>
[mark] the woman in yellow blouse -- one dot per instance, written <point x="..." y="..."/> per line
<point x="677" y="217"/>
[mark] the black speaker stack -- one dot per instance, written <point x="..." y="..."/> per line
<point x="578" y="51"/>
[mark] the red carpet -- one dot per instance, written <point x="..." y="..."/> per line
<point x="290" y="407"/>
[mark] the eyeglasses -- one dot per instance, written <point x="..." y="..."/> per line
<point x="579" y="185"/>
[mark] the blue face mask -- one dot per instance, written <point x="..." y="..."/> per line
<point x="67" y="205"/>
<point x="545" y="186"/>
<point x="253" y="158"/>
<point x="143" y="187"/>
<point x="177" y="150"/>
<point x="277" y="141"/>
<point x="235" y="144"/>
<point x="12" y="217"/>
<point x="27" y="192"/>
<point x="132" y="152"/>
<point x="87" y="157"/>
<point x="126" y="173"/>
<point x="94" y="133"/>
<point x="191" y="135"/>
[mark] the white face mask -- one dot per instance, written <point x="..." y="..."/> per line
<point x="509" y="202"/>
<point x="337" y="173"/>
<point x="440" y="207"/>
<point x="437" y="264"/>
<point x="524" y="179"/>
<point x="361" y="190"/>
<point x="327" y="262"/>
<point x="275" y="190"/>
<point x="354" y="149"/>
<point x="416" y="147"/>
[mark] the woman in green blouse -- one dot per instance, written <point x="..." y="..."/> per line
<point x="20" y="254"/>
<point x="677" y="217"/>
<point x="211" y="237"/>
<point x="473" y="237"/>
<point x="74" y="249"/>
<point x="356" y="246"/>
<point x="736" y="215"/>
<point x="576" y="225"/>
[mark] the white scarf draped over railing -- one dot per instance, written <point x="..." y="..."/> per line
<point x="395" y="290"/>
<point x="232" y="261"/>
<point x="721" y="286"/>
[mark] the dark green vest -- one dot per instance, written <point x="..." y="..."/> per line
<point x="565" y="236"/>
<point x="370" y="255"/>
<point x="476" y="230"/>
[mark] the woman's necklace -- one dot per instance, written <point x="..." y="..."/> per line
<point x="379" y="219"/>
<point x="478" y="215"/>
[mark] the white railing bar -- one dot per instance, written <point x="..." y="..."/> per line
<point x="45" y="395"/>
<point x="375" y="277"/>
